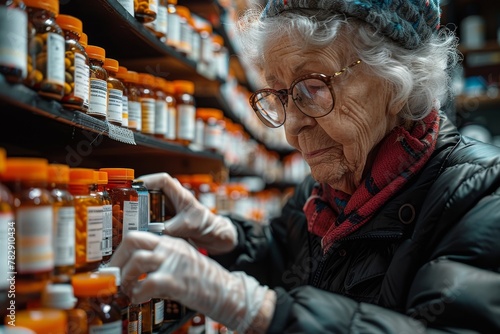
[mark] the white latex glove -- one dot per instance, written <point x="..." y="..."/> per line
<point x="178" y="271"/>
<point x="193" y="220"/>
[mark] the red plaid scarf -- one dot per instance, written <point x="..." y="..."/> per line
<point x="333" y="214"/>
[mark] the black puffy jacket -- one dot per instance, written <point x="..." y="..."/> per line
<point x="428" y="262"/>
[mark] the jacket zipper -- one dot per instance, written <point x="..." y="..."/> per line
<point x="374" y="236"/>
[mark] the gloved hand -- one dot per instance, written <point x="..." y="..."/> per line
<point x="193" y="220"/>
<point x="178" y="271"/>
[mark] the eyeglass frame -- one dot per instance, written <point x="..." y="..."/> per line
<point x="283" y="94"/>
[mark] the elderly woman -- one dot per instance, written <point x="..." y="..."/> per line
<point x="396" y="230"/>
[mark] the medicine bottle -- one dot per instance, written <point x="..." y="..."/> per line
<point x="221" y="57"/>
<point x="171" y="120"/>
<point x="186" y="111"/>
<point x="42" y="321"/>
<point x="145" y="10"/>
<point x="134" y="101"/>
<point x="206" y="49"/>
<point x="13" y="23"/>
<point x="125" y="201"/>
<point x="204" y="190"/>
<point x="64" y="220"/>
<point x="121" y="75"/>
<point x="76" y="65"/>
<point x="212" y="129"/>
<point x="134" y="319"/>
<point x="160" y="108"/>
<point x="7" y="237"/>
<point x="159" y="26"/>
<point x="120" y="299"/>
<point x="186" y="34"/>
<point x="98" y="98"/>
<point x="45" y="49"/>
<point x="143" y="193"/>
<point x="147" y="320"/>
<point x="107" y="215"/>
<point x="148" y="102"/>
<point x="61" y="297"/>
<point x="89" y="220"/>
<point x="95" y="293"/>
<point x="115" y="92"/>
<point x="26" y="178"/>
<point x="173" y="25"/>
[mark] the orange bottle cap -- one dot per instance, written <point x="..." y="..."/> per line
<point x="169" y="87"/>
<point x="119" y="174"/>
<point x="50" y="5"/>
<point x="121" y="73"/>
<point x="58" y="173"/>
<point x="206" y="113"/>
<point x="184" y="86"/>
<point x="172" y="2"/>
<point x="218" y="39"/>
<point x="96" y="52"/>
<point x="198" y="179"/>
<point x="81" y="176"/>
<point x="206" y="28"/>
<point x="93" y="284"/>
<point x="42" y="320"/>
<point x="184" y="179"/>
<point x="3" y="157"/>
<point x="71" y="23"/>
<point x="183" y="11"/>
<point x="84" y="40"/>
<point x="132" y="77"/>
<point x="160" y="83"/>
<point x="146" y="79"/>
<point x="102" y="177"/>
<point x="111" y="65"/>
<point x="26" y="169"/>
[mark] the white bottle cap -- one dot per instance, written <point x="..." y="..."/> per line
<point x="114" y="271"/>
<point x="156" y="228"/>
<point x="58" y="296"/>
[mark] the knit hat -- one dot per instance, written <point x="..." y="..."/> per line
<point x="408" y="22"/>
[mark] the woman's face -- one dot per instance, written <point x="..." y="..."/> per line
<point x="337" y="147"/>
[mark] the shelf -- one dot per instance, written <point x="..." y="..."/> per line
<point x="42" y="128"/>
<point x="110" y="26"/>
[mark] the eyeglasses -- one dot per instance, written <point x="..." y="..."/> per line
<point x="312" y="94"/>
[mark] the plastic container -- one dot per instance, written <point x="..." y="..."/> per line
<point x="148" y="103"/>
<point x="159" y="26"/>
<point x="95" y="293"/>
<point x="143" y="193"/>
<point x="186" y="35"/>
<point x="145" y="10"/>
<point x="64" y="219"/>
<point x="115" y="92"/>
<point x="98" y="98"/>
<point x="173" y="25"/>
<point x="147" y="318"/>
<point x="125" y="202"/>
<point x="220" y="56"/>
<point x="61" y="297"/>
<point x="42" y="321"/>
<point x="160" y="108"/>
<point x="212" y="130"/>
<point x="89" y="219"/>
<point x="186" y="111"/>
<point x="76" y="65"/>
<point x="206" y="48"/>
<point x="156" y="206"/>
<point x="134" y="319"/>
<point x="45" y="49"/>
<point x="120" y="299"/>
<point x="171" y="120"/>
<point x="122" y="75"/>
<point x="7" y="229"/>
<point x="134" y="100"/>
<point x="13" y="23"/>
<point x="107" y="215"/>
<point x="27" y="180"/>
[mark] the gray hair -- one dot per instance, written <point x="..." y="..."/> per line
<point x="419" y="79"/>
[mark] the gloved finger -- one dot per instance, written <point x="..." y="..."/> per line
<point x="133" y="241"/>
<point x="140" y="263"/>
<point x="173" y="190"/>
<point x="151" y="287"/>
<point x="175" y="227"/>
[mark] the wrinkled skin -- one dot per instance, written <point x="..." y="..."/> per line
<point x="338" y="147"/>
